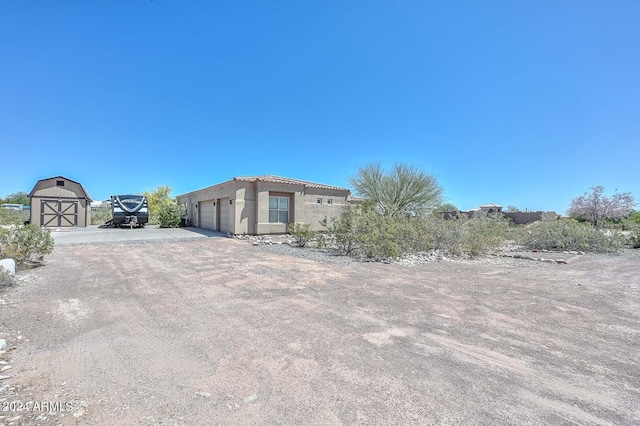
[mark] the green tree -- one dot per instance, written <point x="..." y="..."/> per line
<point x="405" y="189"/>
<point x="158" y="198"/>
<point x="447" y="207"/>
<point x="439" y="210"/>
<point x="512" y="208"/>
<point x="169" y="216"/>
<point x="19" y="197"/>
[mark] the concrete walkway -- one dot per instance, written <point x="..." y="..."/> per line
<point x="93" y="234"/>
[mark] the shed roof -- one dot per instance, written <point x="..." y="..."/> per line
<point x="84" y="191"/>
<point x="279" y="179"/>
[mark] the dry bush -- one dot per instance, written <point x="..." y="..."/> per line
<point x="302" y="233"/>
<point x="363" y="232"/>
<point x="27" y="244"/>
<point x="570" y="235"/>
<point x="634" y="237"/>
<point x="100" y="215"/>
<point x="6" y="279"/>
<point x="13" y="217"/>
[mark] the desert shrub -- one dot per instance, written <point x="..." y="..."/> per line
<point x="361" y="231"/>
<point x="13" y="217"/>
<point x="366" y="233"/>
<point x="631" y="223"/>
<point x="463" y="236"/>
<point x="570" y="235"/>
<point x="301" y="233"/>
<point x="342" y="231"/>
<point x="169" y="216"/>
<point x="100" y="215"/>
<point x="25" y="244"/>
<point x="481" y="235"/>
<point x="634" y="237"/>
<point x="5" y="278"/>
<point x="322" y="240"/>
<point x="382" y="237"/>
<point x="446" y="235"/>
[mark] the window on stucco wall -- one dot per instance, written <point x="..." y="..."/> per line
<point x="278" y="209"/>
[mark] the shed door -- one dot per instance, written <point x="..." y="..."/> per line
<point x="224" y="215"/>
<point x="206" y="209"/>
<point x="59" y="213"/>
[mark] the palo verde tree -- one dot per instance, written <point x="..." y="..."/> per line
<point x="158" y="199"/>
<point x="594" y="207"/>
<point x="446" y="207"/>
<point x="405" y="189"/>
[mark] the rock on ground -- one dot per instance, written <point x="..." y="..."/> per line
<point x="8" y="265"/>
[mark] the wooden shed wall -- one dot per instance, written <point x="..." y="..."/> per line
<point x="48" y="190"/>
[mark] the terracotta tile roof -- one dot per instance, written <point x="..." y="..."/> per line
<point x="279" y="179"/>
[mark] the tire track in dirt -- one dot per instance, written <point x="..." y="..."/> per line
<point x="139" y="321"/>
<point x="542" y="382"/>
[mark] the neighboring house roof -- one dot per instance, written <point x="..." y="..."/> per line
<point x="84" y="191"/>
<point x="491" y="206"/>
<point x="279" y="179"/>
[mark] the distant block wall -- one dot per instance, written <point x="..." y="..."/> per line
<point x="522" y="218"/>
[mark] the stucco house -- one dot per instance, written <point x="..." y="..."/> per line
<point x="262" y="204"/>
<point x="490" y="208"/>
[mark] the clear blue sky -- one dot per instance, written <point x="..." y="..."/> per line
<point x="511" y="102"/>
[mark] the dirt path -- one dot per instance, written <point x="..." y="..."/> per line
<point x="221" y="332"/>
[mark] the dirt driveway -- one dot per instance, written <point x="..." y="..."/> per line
<point x="217" y="331"/>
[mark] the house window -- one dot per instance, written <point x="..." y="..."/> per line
<point x="59" y="183"/>
<point x="319" y="201"/>
<point x="329" y="201"/>
<point x="278" y="209"/>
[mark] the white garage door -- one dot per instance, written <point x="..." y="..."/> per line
<point x="206" y="210"/>
<point x="224" y="215"/>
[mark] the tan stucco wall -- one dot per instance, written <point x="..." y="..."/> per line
<point x="314" y="213"/>
<point x="249" y="210"/>
<point x="212" y="193"/>
<point x="264" y="190"/>
<point x="244" y="208"/>
<point x="303" y="206"/>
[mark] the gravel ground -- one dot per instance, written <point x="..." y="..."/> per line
<point x="323" y="256"/>
<point x="218" y="331"/>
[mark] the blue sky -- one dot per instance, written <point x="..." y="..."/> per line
<point x="510" y="102"/>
